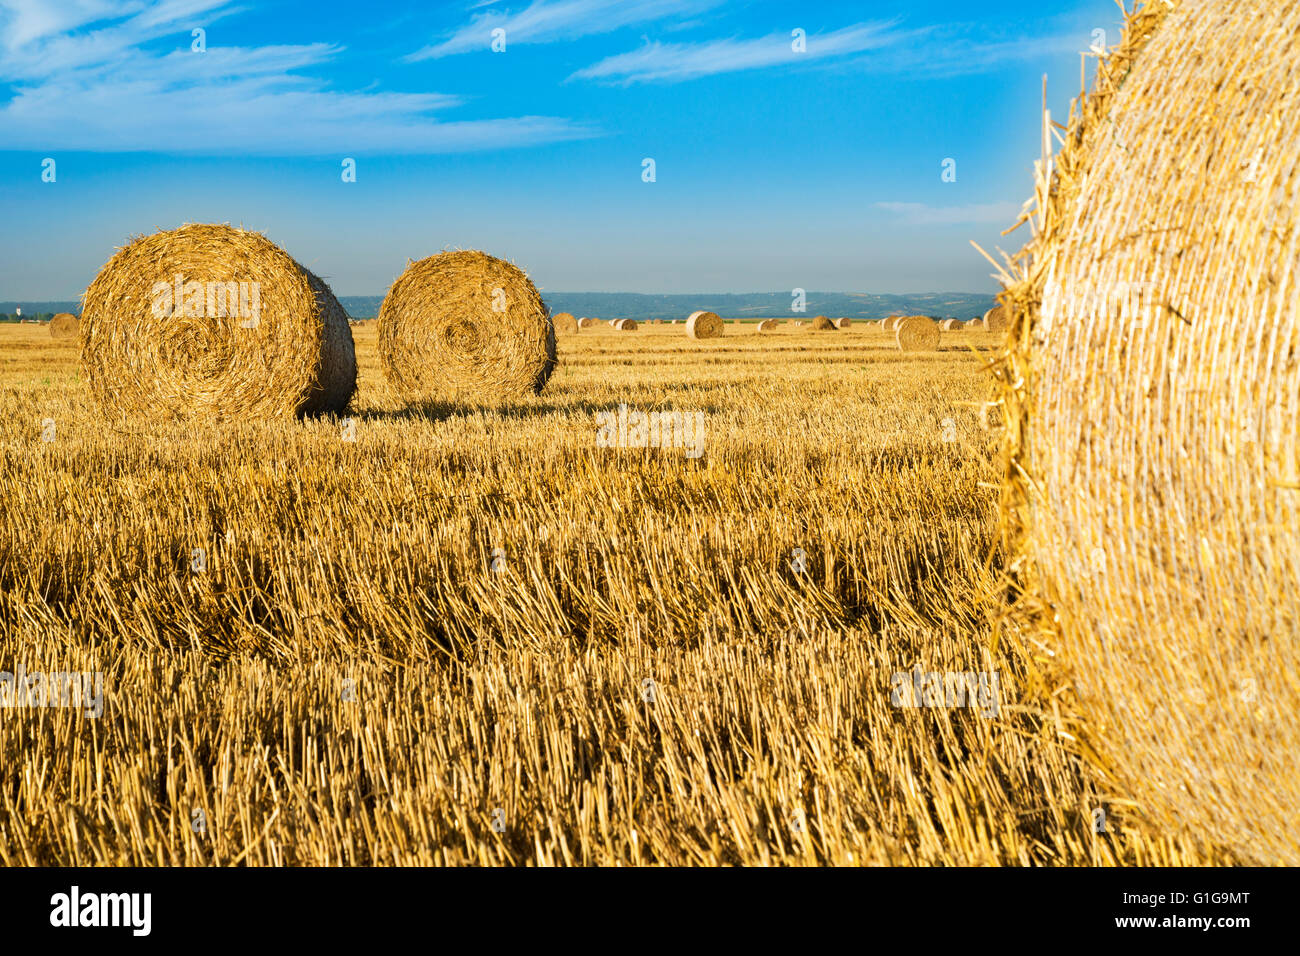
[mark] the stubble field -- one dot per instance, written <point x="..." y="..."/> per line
<point x="475" y="636"/>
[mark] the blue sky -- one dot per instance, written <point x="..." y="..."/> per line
<point x="774" y="168"/>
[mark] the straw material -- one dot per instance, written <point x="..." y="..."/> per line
<point x="843" y="323"/>
<point x="147" y="351"/>
<point x="951" y="325"/>
<point x="626" y="325"/>
<point x="975" y="325"/>
<point x="63" y="326"/>
<point x="704" y="325"/>
<point x="767" y="325"/>
<point x="586" y="323"/>
<point x="1150" y="389"/>
<point x="465" y="324"/>
<point x="917" y="333"/>
<point x="822" y="324"/>
<point x="565" y="324"/>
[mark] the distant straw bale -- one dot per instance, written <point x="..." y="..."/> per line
<point x="843" y="323"/>
<point x="565" y="324"/>
<point x="995" y="319"/>
<point x="704" y="325"/>
<point x="63" y="326"/>
<point x="822" y="324"/>
<point x="917" y="333"/>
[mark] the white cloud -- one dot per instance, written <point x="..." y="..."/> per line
<point x="919" y="214"/>
<point x="82" y="80"/>
<point x="673" y="62"/>
<point x="546" y="21"/>
<point x="933" y="51"/>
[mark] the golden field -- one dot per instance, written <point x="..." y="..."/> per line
<point x="473" y="636"/>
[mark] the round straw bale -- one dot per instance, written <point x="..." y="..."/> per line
<point x="843" y="323"/>
<point x="565" y="324"/>
<point x="1151" y="468"/>
<point x="822" y="324"/>
<point x="465" y="323"/>
<point x="704" y="325"/>
<point x="951" y="325"/>
<point x="917" y="333"/>
<point x="63" y="326"/>
<point x="586" y="323"/>
<point x="767" y="325"/>
<point x="626" y="325"/>
<point x="209" y="319"/>
<point x="995" y="319"/>
<point x="975" y="325"/>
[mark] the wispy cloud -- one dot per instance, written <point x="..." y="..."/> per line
<point x="919" y="214"/>
<point x="83" y="79"/>
<point x="546" y="21"/>
<point x="673" y="62"/>
<point x="883" y="47"/>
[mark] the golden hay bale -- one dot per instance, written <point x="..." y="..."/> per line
<point x="843" y="323"/>
<point x="917" y="333"/>
<point x="586" y="323"/>
<point x="975" y="325"/>
<point x="657" y="321"/>
<point x="209" y="319"/>
<point x="767" y="325"/>
<point x="822" y="324"/>
<point x="63" y="326"/>
<point x="466" y="323"/>
<point x="626" y="325"/>
<point x="704" y="325"/>
<point x="951" y="325"/>
<point x="1151" y="468"/>
<point x="565" y="324"/>
<point x="891" y="323"/>
<point x="995" y="320"/>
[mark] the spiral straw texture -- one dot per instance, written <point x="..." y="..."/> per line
<point x="1150" y="386"/>
<point x="465" y="325"/>
<point x="251" y="332"/>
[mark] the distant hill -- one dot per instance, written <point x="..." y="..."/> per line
<point x="636" y="305"/>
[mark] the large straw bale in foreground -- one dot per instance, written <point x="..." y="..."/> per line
<point x="917" y="333"/>
<point x="465" y="324"/>
<point x="63" y="326"/>
<point x="704" y="325"/>
<point x="1152" y="468"/>
<point x="209" y="319"/>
